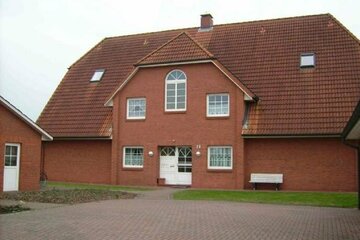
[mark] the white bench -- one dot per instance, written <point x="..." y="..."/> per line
<point x="266" y="178"/>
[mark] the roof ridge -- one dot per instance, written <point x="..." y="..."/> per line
<point x="152" y="32"/>
<point x="274" y="19"/>
<point x="222" y="24"/>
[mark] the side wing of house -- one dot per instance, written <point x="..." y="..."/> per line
<point x="20" y="148"/>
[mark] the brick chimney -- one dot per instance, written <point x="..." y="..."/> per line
<point x="206" y="22"/>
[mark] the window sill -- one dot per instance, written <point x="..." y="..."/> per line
<point x="217" y="117"/>
<point x="132" y="168"/>
<point x="135" y="119"/>
<point x="175" y="112"/>
<point x="220" y="170"/>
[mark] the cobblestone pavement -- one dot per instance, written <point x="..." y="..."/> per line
<point x="150" y="218"/>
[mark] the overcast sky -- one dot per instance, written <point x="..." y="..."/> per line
<point x="40" y="39"/>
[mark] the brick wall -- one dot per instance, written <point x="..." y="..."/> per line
<point x="78" y="161"/>
<point x="192" y="128"/>
<point x="14" y="130"/>
<point x="307" y="164"/>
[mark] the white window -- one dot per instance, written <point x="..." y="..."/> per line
<point x="220" y="157"/>
<point x="175" y="91"/>
<point x="307" y="60"/>
<point x="133" y="157"/>
<point x="11" y="155"/>
<point x="136" y="108"/>
<point x="97" y="75"/>
<point x="218" y="105"/>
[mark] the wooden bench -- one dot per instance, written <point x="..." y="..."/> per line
<point x="266" y="178"/>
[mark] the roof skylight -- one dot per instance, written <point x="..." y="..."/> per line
<point x="307" y="60"/>
<point x="97" y="75"/>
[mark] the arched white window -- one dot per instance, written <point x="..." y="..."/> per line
<point x="175" y="91"/>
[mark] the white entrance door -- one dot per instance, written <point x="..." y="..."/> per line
<point x="176" y="165"/>
<point x="11" y="167"/>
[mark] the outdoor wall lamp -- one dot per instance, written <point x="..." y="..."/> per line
<point x="151" y="153"/>
<point x="198" y="153"/>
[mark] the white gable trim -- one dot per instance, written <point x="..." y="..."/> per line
<point x="44" y="135"/>
<point x="109" y="102"/>
<point x="246" y="96"/>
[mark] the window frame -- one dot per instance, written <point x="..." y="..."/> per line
<point x="128" y="108"/>
<point x="220" y="167"/>
<point x="207" y="104"/>
<point x="187" y="164"/>
<point x="133" y="166"/>
<point x="100" y="70"/>
<point x="18" y="152"/>
<point x="176" y="84"/>
<point x="309" y="54"/>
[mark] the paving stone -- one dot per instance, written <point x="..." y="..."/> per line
<point x="152" y="218"/>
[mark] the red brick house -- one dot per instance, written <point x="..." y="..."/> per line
<point x="20" y="144"/>
<point x="208" y="106"/>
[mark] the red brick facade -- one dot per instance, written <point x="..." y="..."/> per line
<point x="14" y="130"/>
<point x="78" y="161"/>
<point x="320" y="164"/>
<point x="188" y="128"/>
<point x="315" y="164"/>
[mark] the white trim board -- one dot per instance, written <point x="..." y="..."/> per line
<point x="44" y="135"/>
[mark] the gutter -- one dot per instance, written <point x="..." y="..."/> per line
<point x="82" y="138"/>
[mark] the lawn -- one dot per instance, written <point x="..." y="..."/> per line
<point x="344" y="200"/>
<point x="64" y="185"/>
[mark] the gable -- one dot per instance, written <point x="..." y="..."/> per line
<point x="15" y="123"/>
<point x="182" y="48"/>
<point x="248" y="95"/>
<point x="201" y="80"/>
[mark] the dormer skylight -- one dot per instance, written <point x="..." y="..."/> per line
<point x="307" y="60"/>
<point x="97" y="75"/>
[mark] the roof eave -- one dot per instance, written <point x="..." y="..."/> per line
<point x="44" y="135"/>
<point x="82" y="138"/>
<point x="169" y="63"/>
<point x="315" y="135"/>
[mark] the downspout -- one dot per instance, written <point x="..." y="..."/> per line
<point x="43" y="176"/>
<point x="357" y="147"/>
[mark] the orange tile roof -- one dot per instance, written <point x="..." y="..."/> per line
<point x="181" y="48"/>
<point x="263" y="55"/>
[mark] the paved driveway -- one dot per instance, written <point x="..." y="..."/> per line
<point x="170" y="219"/>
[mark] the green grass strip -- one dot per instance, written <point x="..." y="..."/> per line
<point x="323" y="199"/>
<point x="96" y="186"/>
